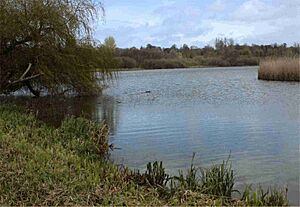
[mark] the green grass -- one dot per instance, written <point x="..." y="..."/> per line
<point x="260" y="197"/>
<point x="69" y="165"/>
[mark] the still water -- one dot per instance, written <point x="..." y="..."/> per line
<point x="169" y="114"/>
<point x="213" y="112"/>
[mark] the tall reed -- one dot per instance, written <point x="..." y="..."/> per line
<point x="280" y="69"/>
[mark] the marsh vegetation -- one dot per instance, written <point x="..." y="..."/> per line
<point x="280" y="69"/>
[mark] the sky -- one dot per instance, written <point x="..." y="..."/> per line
<point x="135" y="23"/>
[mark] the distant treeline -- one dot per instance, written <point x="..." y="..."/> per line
<point x="224" y="53"/>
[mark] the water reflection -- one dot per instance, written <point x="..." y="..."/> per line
<point x="52" y="110"/>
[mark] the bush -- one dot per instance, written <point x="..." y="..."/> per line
<point x="126" y="62"/>
<point x="162" y="64"/>
<point x="216" y="61"/>
<point x="246" y="61"/>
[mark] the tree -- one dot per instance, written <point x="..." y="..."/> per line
<point x="110" y="43"/>
<point x="174" y="47"/>
<point x="185" y="47"/>
<point x="54" y="38"/>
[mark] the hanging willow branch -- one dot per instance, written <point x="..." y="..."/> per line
<point x="56" y="37"/>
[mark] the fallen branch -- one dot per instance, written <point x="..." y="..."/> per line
<point x="24" y="74"/>
<point x="22" y="78"/>
<point x="25" y="79"/>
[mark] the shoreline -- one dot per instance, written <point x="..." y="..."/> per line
<point x="80" y="168"/>
<point x="200" y="67"/>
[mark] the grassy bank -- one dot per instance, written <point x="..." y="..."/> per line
<point x="280" y="69"/>
<point x="69" y="165"/>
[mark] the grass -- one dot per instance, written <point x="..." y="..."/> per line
<point x="69" y="165"/>
<point x="280" y="69"/>
<point x="219" y="180"/>
<point x="270" y="197"/>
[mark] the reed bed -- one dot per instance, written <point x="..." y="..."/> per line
<point x="280" y="69"/>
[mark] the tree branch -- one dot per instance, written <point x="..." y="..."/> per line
<point x="25" y="79"/>
<point x="24" y="74"/>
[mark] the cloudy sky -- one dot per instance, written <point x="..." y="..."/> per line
<point x="199" y="22"/>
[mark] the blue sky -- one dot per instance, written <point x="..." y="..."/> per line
<point x="199" y="22"/>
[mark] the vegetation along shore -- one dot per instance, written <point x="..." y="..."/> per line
<point x="280" y="69"/>
<point x="225" y="52"/>
<point x="69" y="165"/>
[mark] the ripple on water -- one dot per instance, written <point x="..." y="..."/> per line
<point x="211" y="112"/>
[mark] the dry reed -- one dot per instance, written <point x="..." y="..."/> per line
<point x="280" y="69"/>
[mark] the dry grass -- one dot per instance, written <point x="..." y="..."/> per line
<point x="280" y="69"/>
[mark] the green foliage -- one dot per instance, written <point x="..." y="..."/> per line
<point x="188" y="181"/>
<point x="218" y="180"/>
<point x="56" y="38"/>
<point x="126" y="62"/>
<point x="162" y="63"/>
<point x="110" y="43"/>
<point x="84" y="136"/>
<point x="271" y="197"/>
<point x="155" y="174"/>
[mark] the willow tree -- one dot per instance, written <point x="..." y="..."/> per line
<point x="48" y="44"/>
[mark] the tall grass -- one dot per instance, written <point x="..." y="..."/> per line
<point x="280" y="69"/>
<point x="260" y="197"/>
<point x="219" y="180"/>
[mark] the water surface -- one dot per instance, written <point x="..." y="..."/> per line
<point x="169" y="114"/>
<point x="212" y="112"/>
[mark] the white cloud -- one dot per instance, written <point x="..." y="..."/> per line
<point x="275" y="21"/>
<point x="217" y="6"/>
<point x="177" y="22"/>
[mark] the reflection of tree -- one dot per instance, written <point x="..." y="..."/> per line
<point x="107" y="111"/>
<point x="52" y="110"/>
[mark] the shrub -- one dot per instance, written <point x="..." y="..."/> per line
<point x="163" y="64"/>
<point x="126" y="62"/>
<point x="216" y="61"/>
<point x="246" y="61"/>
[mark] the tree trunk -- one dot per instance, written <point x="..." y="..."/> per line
<point x="34" y="92"/>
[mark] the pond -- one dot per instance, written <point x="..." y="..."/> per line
<point x="215" y="112"/>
